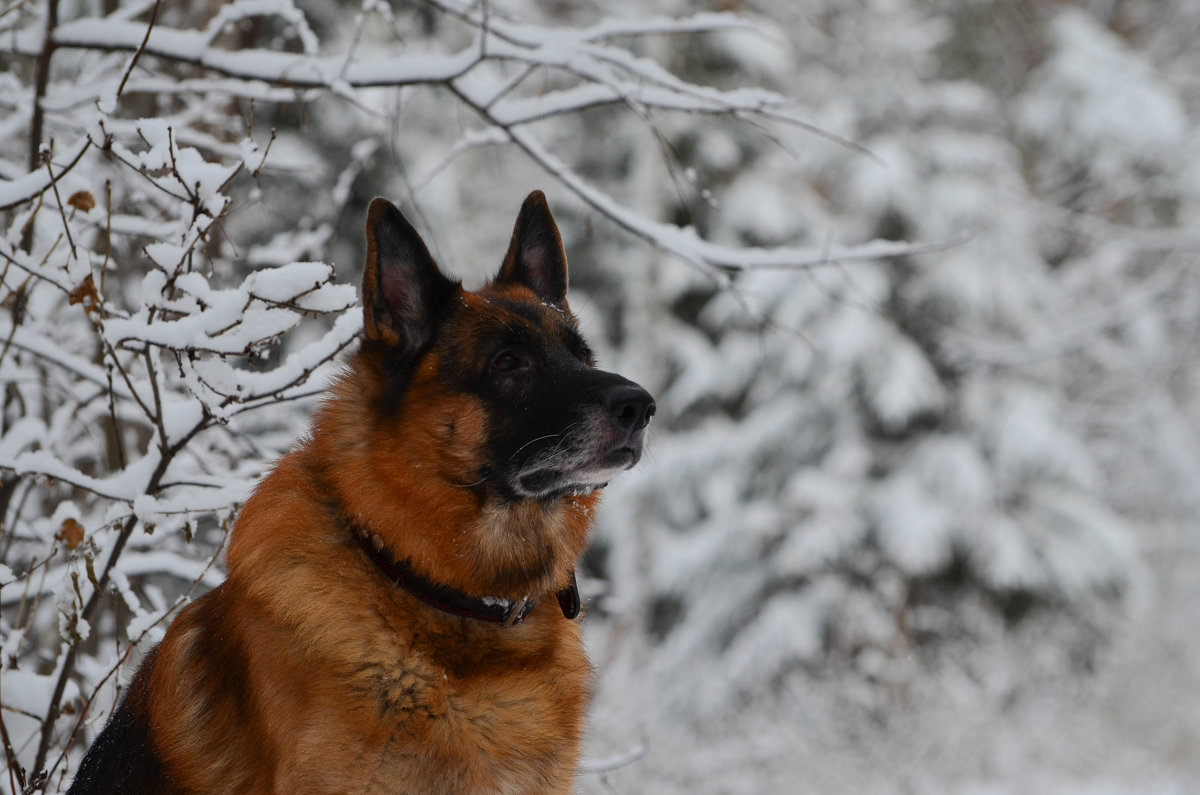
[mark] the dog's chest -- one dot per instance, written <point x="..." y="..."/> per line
<point x="523" y="745"/>
<point x="500" y="725"/>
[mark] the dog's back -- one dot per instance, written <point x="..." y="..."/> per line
<point x="390" y="620"/>
<point x="123" y="758"/>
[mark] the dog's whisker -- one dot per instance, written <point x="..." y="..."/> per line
<point x="470" y="485"/>
<point x="538" y="439"/>
<point x="547" y="459"/>
<point x="566" y="434"/>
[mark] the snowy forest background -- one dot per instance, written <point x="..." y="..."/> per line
<point x="914" y="282"/>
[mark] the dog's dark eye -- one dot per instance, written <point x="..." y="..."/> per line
<point x="507" y="362"/>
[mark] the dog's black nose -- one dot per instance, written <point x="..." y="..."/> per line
<point x="630" y="406"/>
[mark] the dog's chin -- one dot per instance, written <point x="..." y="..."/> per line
<point x="560" y="488"/>
<point x="547" y="483"/>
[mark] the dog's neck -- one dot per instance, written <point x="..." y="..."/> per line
<point x="416" y="499"/>
<point x="494" y="609"/>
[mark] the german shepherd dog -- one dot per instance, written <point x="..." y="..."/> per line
<point x="398" y="610"/>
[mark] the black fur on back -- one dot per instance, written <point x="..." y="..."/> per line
<point x="123" y="759"/>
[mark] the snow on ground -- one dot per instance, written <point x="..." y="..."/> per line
<point x="991" y="720"/>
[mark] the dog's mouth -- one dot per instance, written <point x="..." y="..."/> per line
<point x="551" y="482"/>
<point x="548" y="485"/>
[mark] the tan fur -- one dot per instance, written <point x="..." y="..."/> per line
<point x="340" y="682"/>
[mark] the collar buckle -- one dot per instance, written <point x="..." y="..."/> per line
<point x="518" y="611"/>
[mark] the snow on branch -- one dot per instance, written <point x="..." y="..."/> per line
<point x="607" y="74"/>
<point x="34" y="184"/>
<point x="704" y="22"/>
<point x="684" y="243"/>
<point x="604" y="74"/>
<point x="295" y="70"/>
<point x="269" y="303"/>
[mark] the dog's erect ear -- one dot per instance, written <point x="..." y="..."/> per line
<point x="535" y="256"/>
<point x="403" y="290"/>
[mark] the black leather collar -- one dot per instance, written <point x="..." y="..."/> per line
<point x="451" y="600"/>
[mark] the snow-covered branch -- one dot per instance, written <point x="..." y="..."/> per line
<point x="34" y="184"/>
<point x="603" y="74"/>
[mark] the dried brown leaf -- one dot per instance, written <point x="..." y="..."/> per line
<point x="71" y="533"/>
<point x="82" y="200"/>
<point x="86" y="294"/>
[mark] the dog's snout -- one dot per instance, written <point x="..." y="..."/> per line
<point x="630" y="406"/>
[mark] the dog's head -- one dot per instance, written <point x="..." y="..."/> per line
<point x="498" y="386"/>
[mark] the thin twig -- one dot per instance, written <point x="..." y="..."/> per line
<point x="141" y="49"/>
<point x="615" y="762"/>
<point x="266" y="152"/>
<point x="40" y="81"/>
<point x="58" y="200"/>
<point x="38" y="119"/>
<point x="16" y="774"/>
